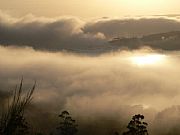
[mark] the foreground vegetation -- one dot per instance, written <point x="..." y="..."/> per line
<point x="13" y="121"/>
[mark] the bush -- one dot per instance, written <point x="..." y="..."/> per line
<point x="12" y="121"/>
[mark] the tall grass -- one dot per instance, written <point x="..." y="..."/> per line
<point x="12" y="121"/>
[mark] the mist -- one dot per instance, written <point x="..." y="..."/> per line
<point x="101" y="84"/>
<point x="106" y="89"/>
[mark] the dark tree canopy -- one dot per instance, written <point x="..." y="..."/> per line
<point x="137" y="126"/>
<point x="67" y="125"/>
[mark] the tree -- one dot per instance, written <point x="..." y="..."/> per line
<point x="12" y="121"/>
<point x="136" y="126"/>
<point x="67" y="125"/>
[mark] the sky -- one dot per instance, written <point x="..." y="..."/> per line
<point x="93" y="8"/>
<point x="122" y="60"/>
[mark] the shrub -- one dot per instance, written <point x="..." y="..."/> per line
<point x="12" y="120"/>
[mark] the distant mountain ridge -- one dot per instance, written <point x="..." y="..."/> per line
<point x="164" y="41"/>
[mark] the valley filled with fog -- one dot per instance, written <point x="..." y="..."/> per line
<point x="102" y="84"/>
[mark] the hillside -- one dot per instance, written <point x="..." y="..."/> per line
<point x="164" y="41"/>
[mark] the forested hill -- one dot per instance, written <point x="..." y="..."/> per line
<point x="164" y="41"/>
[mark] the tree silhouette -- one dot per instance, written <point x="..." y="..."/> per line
<point x="136" y="126"/>
<point x="67" y="125"/>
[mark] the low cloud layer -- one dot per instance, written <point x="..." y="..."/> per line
<point x="102" y="91"/>
<point x="129" y="27"/>
<point x="76" y="35"/>
<point x="47" y="34"/>
<point x="106" y="89"/>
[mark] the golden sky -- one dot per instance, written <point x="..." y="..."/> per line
<point x="90" y="8"/>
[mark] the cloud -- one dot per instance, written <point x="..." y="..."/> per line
<point x="101" y="89"/>
<point x="130" y="27"/>
<point x="76" y="35"/>
<point x="168" y="118"/>
<point x="102" y="92"/>
<point x="47" y="34"/>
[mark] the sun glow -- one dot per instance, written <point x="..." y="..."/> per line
<point x="148" y="59"/>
